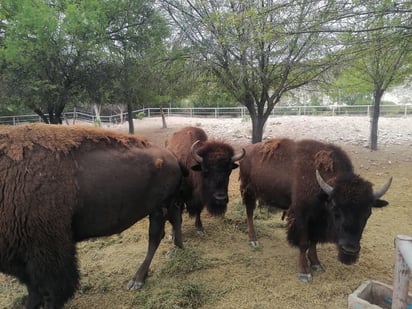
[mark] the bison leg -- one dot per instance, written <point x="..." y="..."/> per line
<point x="175" y="218"/>
<point x="34" y="299"/>
<point x="199" y="225"/>
<point x="156" y="233"/>
<point x="304" y="269"/>
<point x="250" y="204"/>
<point x="313" y="258"/>
<point x="53" y="276"/>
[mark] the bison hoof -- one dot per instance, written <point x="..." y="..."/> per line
<point x="201" y="233"/>
<point x="306" y="278"/>
<point x="254" y="243"/>
<point x="134" y="285"/>
<point x="318" y="268"/>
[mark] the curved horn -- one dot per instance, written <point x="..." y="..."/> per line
<point x="239" y="155"/>
<point x="377" y="194"/>
<point x="328" y="189"/>
<point x="195" y="156"/>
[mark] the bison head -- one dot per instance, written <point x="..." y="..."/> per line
<point x="215" y="161"/>
<point x="350" y="202"/>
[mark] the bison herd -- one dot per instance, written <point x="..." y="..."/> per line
<point x="64" y="184"/>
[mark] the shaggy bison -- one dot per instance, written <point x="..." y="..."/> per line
<point x="210" y="164"/>
<point x="316" y="184"/>
<point x="61" y="185"/>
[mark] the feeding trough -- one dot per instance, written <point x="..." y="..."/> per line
<point x="373" y="295"/>
<point x="377" y="295"/>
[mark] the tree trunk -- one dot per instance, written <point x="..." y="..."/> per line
<point x="42" y="115"/>
<point x="97" y="120"/>
<point x="373" y="140"/>
<point x="258" y="124"/>
<point x="130" y="118"/>
<point x="164" y="125"/>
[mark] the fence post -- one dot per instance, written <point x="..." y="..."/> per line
<point x="403" y="264"/>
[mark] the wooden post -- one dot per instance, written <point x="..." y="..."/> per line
<point x="403" y="265"/>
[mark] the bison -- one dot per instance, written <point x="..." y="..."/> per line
<point x="210" y="164"/>
<point x="316" y="184"/>
<point x="61" y="185"/>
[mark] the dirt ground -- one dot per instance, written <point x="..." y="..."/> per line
<point x="221" y="270"/>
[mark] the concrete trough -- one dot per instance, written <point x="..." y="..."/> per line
<point x="373" y="295"/>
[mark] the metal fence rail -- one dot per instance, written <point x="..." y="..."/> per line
<point x="221" y="112"/>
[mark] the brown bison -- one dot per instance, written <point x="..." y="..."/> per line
<point x="316" y="184"/>
<point x="210" y="164"/>
<point x="61" y="185"/>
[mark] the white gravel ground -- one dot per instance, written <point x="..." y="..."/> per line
<point x="339" y="129"/>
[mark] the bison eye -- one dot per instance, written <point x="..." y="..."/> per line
<point x="336" y="211"/>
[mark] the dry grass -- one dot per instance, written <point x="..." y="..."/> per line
<point x="221" y="270"/>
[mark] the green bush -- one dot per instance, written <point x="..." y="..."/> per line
<point x="140" y="115"/>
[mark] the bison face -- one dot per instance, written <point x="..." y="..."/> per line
<point x="350" y="201"/>
<point x="215" y="162"/>
<point x="215" y="181"/>
<point x="349" y="221"/>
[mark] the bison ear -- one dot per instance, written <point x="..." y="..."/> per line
<point x="196" y="168"/>
<point x="234" y="166"/>
<point x="380" y="203"/>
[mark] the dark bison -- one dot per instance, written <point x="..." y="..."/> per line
<point x="61" y="185"/>
<point x="210" y="164"/>
<point x="316" y="184"/>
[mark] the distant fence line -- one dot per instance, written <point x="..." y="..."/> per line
<point x="221" y="112"/>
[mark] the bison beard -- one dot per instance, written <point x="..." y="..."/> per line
<point x="216" y="207"/>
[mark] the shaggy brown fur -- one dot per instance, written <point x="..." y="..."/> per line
<point x="208" y="180"/>
<point x="60" y="185"/>
<point x="15" y="139"/>
<point x="282" y="173"/>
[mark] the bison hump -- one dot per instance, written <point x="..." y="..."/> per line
<point x="324" y="159"/>
<point x="14" y="140"/>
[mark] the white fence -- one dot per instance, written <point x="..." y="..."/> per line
<point x="403" y="266"/>
<point x="223" y="112"/>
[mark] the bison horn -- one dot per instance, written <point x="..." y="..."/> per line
<point x="377" y="194"/>
<point x="239" y="155"/>
<point x="328" y="189"/>
<point x="198" y="158"/>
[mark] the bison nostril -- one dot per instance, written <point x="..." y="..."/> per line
<point x="350" y="249"/>
<point x="220" y="196"/>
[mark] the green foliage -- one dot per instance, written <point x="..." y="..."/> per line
<point x="65" y="52"/>
<point x="97" y="122"/>
<point x="349" y="88"/>
<point x="140" y="115"/>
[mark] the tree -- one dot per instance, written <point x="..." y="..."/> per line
<point x="95" y="51"/>
<point x="136" y="32"/>
<point x="384" y="60"/>
<point x="259" y="50"/>
<point x="48" y="45"/>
